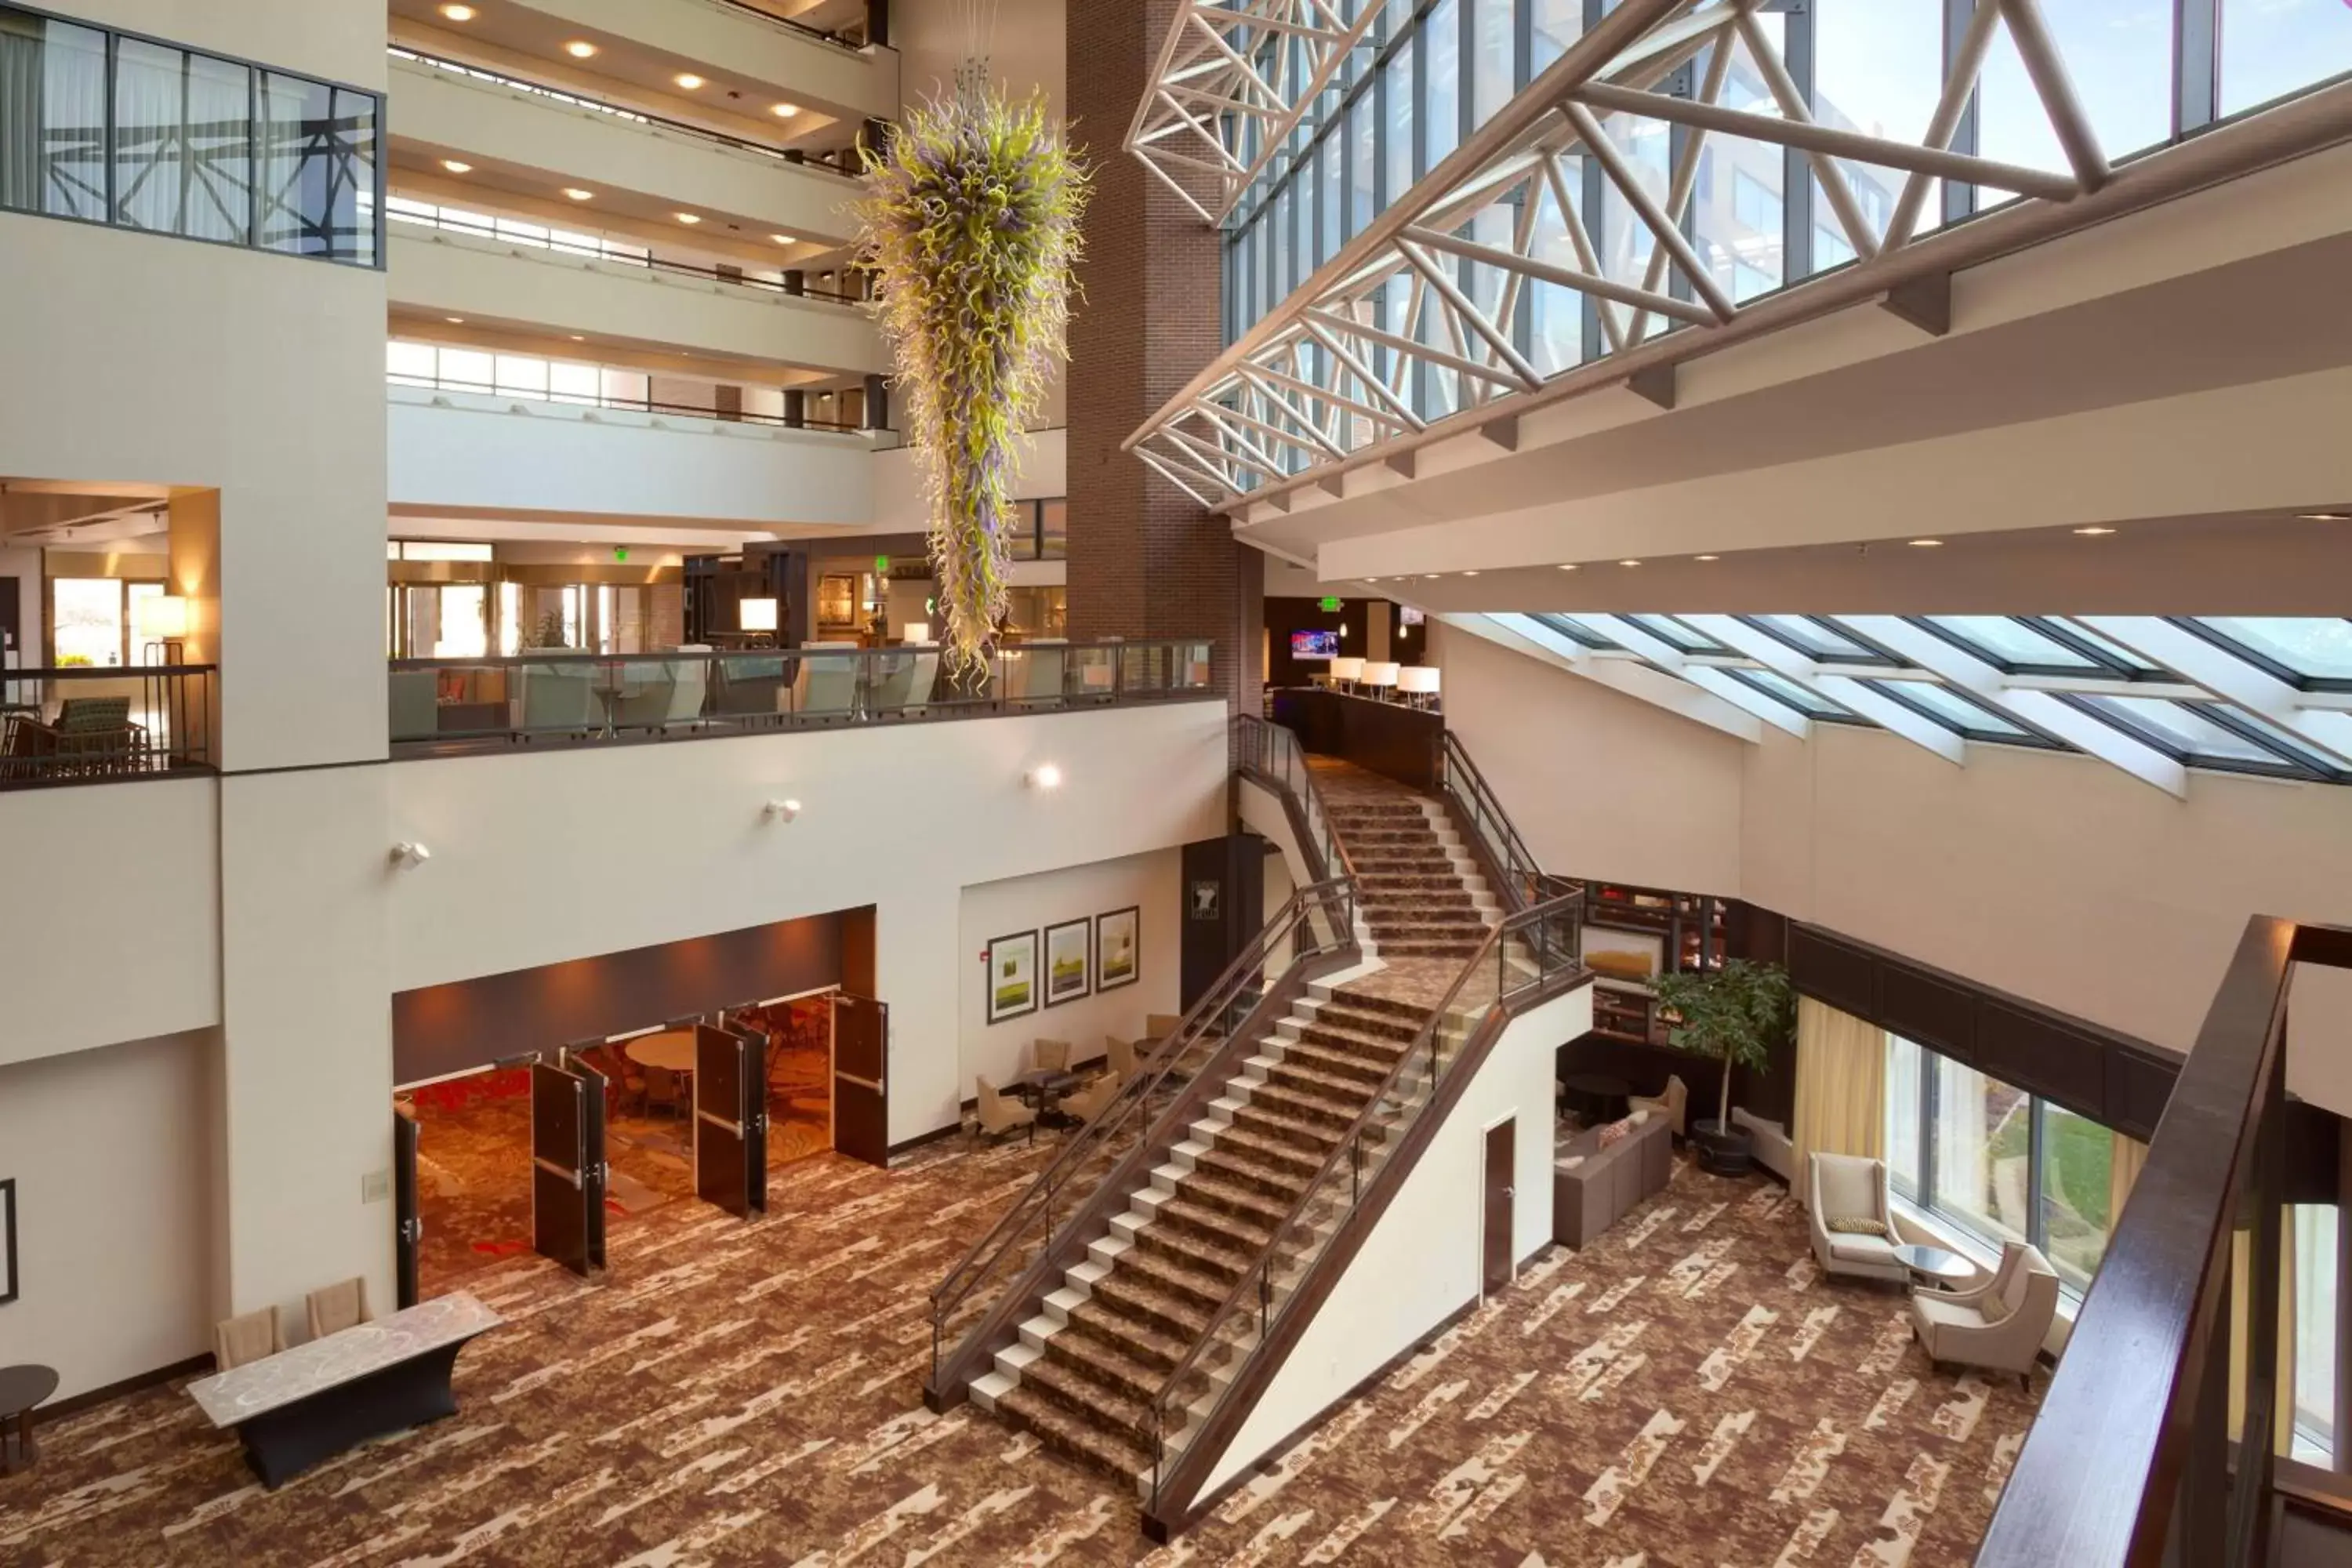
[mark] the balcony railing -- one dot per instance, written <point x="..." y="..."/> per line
<point x="92" y="725"/>
<point x="620" y="256"/>
<point x="625" y="405"/>
<point x="440" y="705"/>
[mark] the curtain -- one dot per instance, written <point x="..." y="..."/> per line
<point x="2122" y="1171"/>
<point x="1841" y="1085"/>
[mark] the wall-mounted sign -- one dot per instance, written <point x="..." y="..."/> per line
<point x="620" y="553"/>
<point x="882" y="566"/>
<point x="1331" y="603"/>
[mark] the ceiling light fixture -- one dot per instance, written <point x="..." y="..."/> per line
<point x="1710" y="558"/>
<point x="1469" y="574"/>
<point x="579" y="49"/>
<point x="690" y="219"/>
<point x="1567" y="565"/>
<point x="2095" y="530"/>
<point x="459" y="13"/>
<point x="454" y="320"/>
<point x="1046" y="775"/>
<point x="1926" y="544"/>
<point x="579" y="338"/>
<point x="784" y="239"/>
<point x="2325" y="516"/>
<point x="1629" y="564"/>
<point x="786" y="111"/>
<point x="577" y="194"/>
<point x="454" y="167"/>
<point x="689" y="80"/>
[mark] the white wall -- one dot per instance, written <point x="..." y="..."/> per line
<point x="110" y="1150"/>
<point x="543" y="857"/>
<point x="458" y="452"/>
<point x="1423" y="1261"/>
<point x="111" y="917"/>
<point x="1600" y="785"/>
<point x="1149" y="883"/>
<point x="1041" y="471"/>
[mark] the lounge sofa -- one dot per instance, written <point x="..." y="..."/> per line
<point x="1593" y="1187"/>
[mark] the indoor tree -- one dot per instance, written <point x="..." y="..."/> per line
<point x="1734" y="1014"/>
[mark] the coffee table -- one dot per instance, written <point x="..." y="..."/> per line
<point x="1595" y="1096"/>
<point x="1047" y="1086"/>
<point x="1934" y="1268"/>
<point x="21" y="1388"/>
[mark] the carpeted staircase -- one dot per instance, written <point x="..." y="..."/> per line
<point x="1086" y="1369"/>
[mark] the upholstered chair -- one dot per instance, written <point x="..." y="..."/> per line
<point x="337" y="1307"/>
<point x="1120" y="1056"/>
<point x="1160" y="1026"/>
<point x="1094" y="1100"/>
<point x="1851" y="1189"/>
<point x="1050" y="1056"/>
<point x="1673" y="1104"/>
<point x="1000" y="1117"/>
<point x="2001" y="1324"/>
<point x="247" y="1337"/>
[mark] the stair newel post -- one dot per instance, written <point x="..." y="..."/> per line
<point x="1354" y="1170"/>
<point x="1265" y="1288"/>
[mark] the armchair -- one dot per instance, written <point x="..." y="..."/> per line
<point x="1120" y="1057"/>
<point x="1000" y="1118"/>
<point x="2001" y="1324"/>
<point x="1671" y="1103"/>
<point x="1845" y="1186"/>
<point x="1049" y="1056"/>
<point x="1094" y="1100"/>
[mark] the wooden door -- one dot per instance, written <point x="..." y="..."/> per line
<point x="560" y="1179"/>
<point x="408" y="1225"/>
<point x="1499" y="1264"/>
<point x="861" y="1078"/>
<point x="754" y="1117"/>
<point x="595" y="1172"/>
<point x="721" y="1173"/>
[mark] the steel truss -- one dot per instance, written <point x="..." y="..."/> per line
<point x="1418" y="327"/>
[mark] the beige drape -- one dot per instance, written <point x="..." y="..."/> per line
<point x="1841" y="1085"/>
<point x="2122" y="1171"/>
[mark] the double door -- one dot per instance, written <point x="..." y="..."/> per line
<point x="730" y="1119"/>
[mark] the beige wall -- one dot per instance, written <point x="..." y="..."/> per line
<point x="111" y="1152"/>
<point x="2055" y="877"/>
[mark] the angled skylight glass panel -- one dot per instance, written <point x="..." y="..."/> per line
<point x="1811" y="635"/>
<point x="2010" y="643"/>
<point x="2317" y="647"/>
<point x="1957" y="713"/>
<point x="1574" y="629"/>
<point x="1688" y="639"/>
<point x="1788" y="693"/>
<point x="2111" y="650"/>
<point x="2188" y="731"/>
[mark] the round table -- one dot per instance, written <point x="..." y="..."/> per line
<point x="672" y="1050"/>
<point x="1046" y="1085"/>
<point x="21" y="1388"/>
<point x="1934" y="1267"/>
<point x="1596" y="1095"/>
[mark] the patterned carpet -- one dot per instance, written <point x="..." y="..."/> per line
<point x="1685" y="1394"/>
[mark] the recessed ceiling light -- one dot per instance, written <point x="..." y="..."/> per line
<point x="577" y="194"/>
<point x="1926" y="544"/>
<point x="454" y="320"/>
<point x="579" y="337"/>
<point x="580" y="48"/>
<point x="458" y="13"/>
<point x="783" y="239"/>
<point x="2325" y="516"/>
<point x="1429" y="577"/>
<point x="2095" y="530"/>
<point x="786" y="111"/>
<point x="1469" y="574"/>
<point x="1710" y="558"/>
<point x="1567" y="565"/>
<point x="1629" y="564"/>
<point x="455" y="167"/>
<point x="690" y="219"/>
<point x="687" y="80"/>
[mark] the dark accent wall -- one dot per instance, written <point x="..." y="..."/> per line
<point x="1286" y="616"/>
<point x="1387" y="737"/>
<point x="1235" y="866"/>
<point x="468" y="1024"/>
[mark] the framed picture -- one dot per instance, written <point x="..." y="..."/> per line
<point x="1116" y="956"/>
<point x="1629" y="955"/>
<point x="836" y="599"/>
<point x="1205" y="905"/>
<point x="1011" y="976"/>
<point x="7" y="1241"/>
<point x="1069" y="964"/>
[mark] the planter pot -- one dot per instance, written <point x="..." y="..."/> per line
<point x="1722" y="1152"/>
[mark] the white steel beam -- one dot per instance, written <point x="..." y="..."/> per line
<point x="1855" y="696"/>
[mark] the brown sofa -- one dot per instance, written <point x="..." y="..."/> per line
<point x="1590" y="1196"/>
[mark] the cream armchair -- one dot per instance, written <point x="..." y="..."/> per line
<point x="998" y="1117"/>
<point x="1049" y="1056"/>
<point x="1094" y="1100"/>
<point x="1672" y="1105"/>
<point x="2001" y="1324"/>
<point x="1845" y="1186"/>
<point x="1119" y="1056"/>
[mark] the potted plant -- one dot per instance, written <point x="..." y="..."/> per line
<point x="1733" y="1015"/>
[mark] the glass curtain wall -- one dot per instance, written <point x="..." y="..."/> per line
<point x="1432" y="72"/>
<point x="113" y="128"/>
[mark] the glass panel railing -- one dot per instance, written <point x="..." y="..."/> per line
<point x="1276" y="756"/>
<point x="1531" y="954"/>
<point x="567" y="697"/>
<point x="93" y="724"/>
<point x="1172" y="1076"/>
<point x="1523" y="881"/>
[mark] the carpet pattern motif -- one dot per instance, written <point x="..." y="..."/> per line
<point x="1686" y="1394"/>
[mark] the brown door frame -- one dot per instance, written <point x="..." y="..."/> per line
<point x="1498" y="1143"/>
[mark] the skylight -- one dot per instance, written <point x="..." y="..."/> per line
<point x="2012" y="643"/>
<point x="2319" y="648"/>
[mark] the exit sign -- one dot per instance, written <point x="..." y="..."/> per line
<point x="882" y="566"/>
<point x="1331" y="604"/>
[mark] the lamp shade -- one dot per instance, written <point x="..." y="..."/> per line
<point x="1418" y="678"/>
<point x="916" y="631"/>
<point x="1348" y="669"/>
<point x="1383" y="674"/>
<point x="162" y="616"/>
<point x="758" y="615"/>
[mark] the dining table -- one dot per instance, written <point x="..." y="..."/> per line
<point x="671" y="1050"/>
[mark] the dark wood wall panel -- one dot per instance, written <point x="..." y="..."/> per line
<point x="1832" y="971"/>
<point x="2034" y="1050"/>
<point x="1401" y="743"/>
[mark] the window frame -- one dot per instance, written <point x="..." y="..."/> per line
<point x="2275" y="668"/>
<point x="2098" y="664"/>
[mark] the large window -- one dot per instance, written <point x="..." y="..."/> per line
<point x="113" y="128"/>
<point x="1997" y="1163"/>
<point x="95" y="622"/>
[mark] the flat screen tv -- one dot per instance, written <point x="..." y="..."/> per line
<point x="1314" y="645"/>
<point x="1408" y="616"/>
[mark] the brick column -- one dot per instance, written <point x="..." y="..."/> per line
<point x="1145" y="560"/>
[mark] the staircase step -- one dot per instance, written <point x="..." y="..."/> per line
<point x="1263" y="1121"/>
<point x="1201" y="1254"/>
<point x="1130" y="1356"/>
<point x="1296" y="1163"/>
<point x="1301" y="1105"/>
<point x="1062" y="1429"/>
<point x="1235" y="1168"/>
<point x="1141" y="1295"/>
<point x="1310" y="1077"/>
<point x="1361" y="1063"/>
<point x="1245" y="1203"/>
<point x="1241" y="1236"/>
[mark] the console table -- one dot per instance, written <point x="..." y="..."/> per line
<point x="300" y="1406"/>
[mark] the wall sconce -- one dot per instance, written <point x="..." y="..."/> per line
<point x="785" y="810"/>
<point x="406" y="855"/>
<point x="1045" y="775"/>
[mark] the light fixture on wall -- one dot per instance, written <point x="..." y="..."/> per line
<point x="408" y="855"/>
<point x="2324" y="517"/>
<point x="782" y="810"/>
<point x="1045" y="775"/>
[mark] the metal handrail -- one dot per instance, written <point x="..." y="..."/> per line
<point x="649" y="261"/>
<point x="1261" y="738"/>
<point x="1482" y="808"/>
<point x="625" y="405"/>
<point x="1334" y="898"/>
<point x="815" y="35"/>
<point x="1260" y="1280"/>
